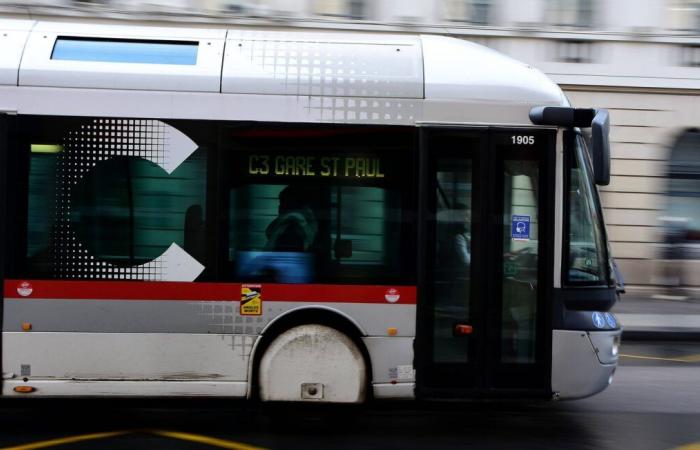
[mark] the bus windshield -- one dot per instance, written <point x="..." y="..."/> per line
<point x="587" y="259"/>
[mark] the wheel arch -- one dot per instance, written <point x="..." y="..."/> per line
<point x="312" y="314"/>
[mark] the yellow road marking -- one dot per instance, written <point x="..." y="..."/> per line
<point x="214" y="442"/>
<point x="67" y="440"/>
<point x="695" y="446"/>
<point x="683" y="359"/>
<point x="691" y="358"/>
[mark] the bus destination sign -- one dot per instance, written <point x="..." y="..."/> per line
<point x="314" y="166"/>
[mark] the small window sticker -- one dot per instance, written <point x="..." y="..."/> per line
<point x="598" y="320"/>
<point x="610" y="319"/>
<point x="251" y="300"/>
<point x="520" y="228"/>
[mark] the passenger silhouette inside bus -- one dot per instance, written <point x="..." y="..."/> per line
<point x="461" y="239"/>
<point x="295" y="227"/>
<point x="290" y="249"/>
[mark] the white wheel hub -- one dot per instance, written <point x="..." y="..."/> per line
<point x="313" y="363"/>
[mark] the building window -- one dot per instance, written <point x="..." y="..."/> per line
<point x="570" y="13"/>
<point x="470" y="11"/>
<point x="684" y="15"/>
<point x="689" y="55"/>
<point x="569" y="51"/>
<point x="681" y="221"/>
<point x="349" y="9"/>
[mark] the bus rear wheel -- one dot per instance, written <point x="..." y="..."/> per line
<point x="313" y="363"/>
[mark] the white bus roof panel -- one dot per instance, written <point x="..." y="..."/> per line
<point x="13" y="36"/>
<point x="323" y="64"/>
<point x="117" y="57"/>
<point x="129" y="31"/>
<point x="461" y="71"/>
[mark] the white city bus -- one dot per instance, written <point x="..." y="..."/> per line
<point x="295" y="216"/>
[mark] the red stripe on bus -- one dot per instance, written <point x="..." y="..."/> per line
<point x="169" y="290"/>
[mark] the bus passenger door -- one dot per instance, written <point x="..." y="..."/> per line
<point x="482" y="318"/>
<point x="4" y="131"/>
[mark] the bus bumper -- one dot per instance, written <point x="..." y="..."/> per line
<point x="583" y="362"/>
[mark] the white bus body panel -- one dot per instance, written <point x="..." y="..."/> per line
<point x="322" y="65"/>
<point x="392" y="366"/>
<point x="470" y="83"/>
<point x="13" y="36"/>
<point x="461" y="70"/>
<point x="121" y="357"/>
<point x="38" y="69"/>
<point x="109" y="388"/>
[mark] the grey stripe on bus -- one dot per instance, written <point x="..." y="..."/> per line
<point x="164" y="316"/>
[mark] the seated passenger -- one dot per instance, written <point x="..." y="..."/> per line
<point x="295" y="228"/>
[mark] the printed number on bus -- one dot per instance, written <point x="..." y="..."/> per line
<point x="522" y="140"/>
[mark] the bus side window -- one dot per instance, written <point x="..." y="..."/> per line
<point x="99" y="208"/>
<point x="195" y="232"/>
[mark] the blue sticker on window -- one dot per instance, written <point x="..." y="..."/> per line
<point x="598" y="320"/>
<point x="610" y="319"/>
<point x="520" y="228"/>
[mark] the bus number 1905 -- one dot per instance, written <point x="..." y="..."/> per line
<point x="522" y="140"/>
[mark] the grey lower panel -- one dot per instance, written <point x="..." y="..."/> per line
<point x="576" y="370"/>
<point x="394" y="391"/>
<point x="166" y="316"/>
<point x="392" y="359"/>
<point x="115" y="316"/>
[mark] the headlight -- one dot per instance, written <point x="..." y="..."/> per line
<point x="616" y="345"/>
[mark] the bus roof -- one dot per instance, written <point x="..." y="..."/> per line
<point x="68" y="68"/>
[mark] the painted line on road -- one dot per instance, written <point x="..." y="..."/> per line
<point x="693" y="446"/>
<point x="67" y="440"/>
<point x="691" y="358"/>
<point x="684" y="359"/>
<point x="676" y="298"/>
<point x="214" y="442"/>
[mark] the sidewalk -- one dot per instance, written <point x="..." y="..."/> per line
<point x="656" y="317"/>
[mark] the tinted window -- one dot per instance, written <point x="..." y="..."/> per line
<point x="587" y="262"/>
<point x="125" y="51"/>
<point x="681" y="221"/>
<point x="103" y="205"/>
<point x="330" y="205"/>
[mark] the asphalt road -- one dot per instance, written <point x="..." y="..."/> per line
<point x="654" y="403"/>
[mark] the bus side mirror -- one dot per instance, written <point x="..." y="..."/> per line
<point x="600" y="143"/>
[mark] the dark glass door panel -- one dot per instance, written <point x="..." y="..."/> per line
<point x="482" y="321"/>
<point x="452" y="260"/>
<point x="520" y="261"/>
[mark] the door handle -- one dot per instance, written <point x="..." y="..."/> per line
<point x="462" y="329"/>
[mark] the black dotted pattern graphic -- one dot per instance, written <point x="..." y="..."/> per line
<point x="84" y="148"/>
